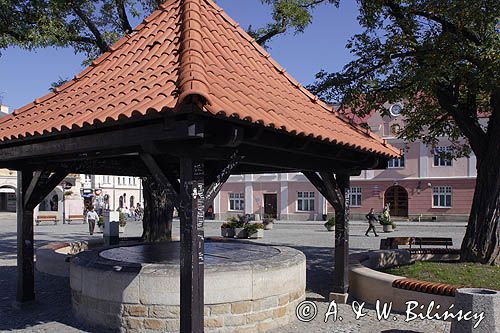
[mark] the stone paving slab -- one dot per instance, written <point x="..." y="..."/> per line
<point x="52" y="311"/>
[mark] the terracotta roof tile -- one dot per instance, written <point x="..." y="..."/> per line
<point x="188" y="48"/>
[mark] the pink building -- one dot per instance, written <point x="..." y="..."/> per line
<point x="419" y="186"/>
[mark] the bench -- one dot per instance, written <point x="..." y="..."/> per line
<point x="440" y="241"/>
<point x="394" y="242"/>
<point x="75" y="218"/>
<point x="46" y="218"/>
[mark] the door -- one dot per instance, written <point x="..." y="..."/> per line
<point x="397" y="197"/>
<point x="3" y="202"/>
<point x="271" y="205"/>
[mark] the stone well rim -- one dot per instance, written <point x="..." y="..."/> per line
<point x="91" y="258"/>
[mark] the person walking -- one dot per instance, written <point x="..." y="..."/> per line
<point x="92" y="217"/>
<point x="371" y="221"/>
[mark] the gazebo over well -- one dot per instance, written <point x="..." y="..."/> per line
<point x="188" y="98"/>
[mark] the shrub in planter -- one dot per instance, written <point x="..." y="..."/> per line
<point x="330" y="224"/>
<point x="268" y="222"/>
<point x="386" y="224"/>
<point x="227" y="229"/>
<point x="122" y="222"/>
<point x="100" y="224"/>
<point x="254" y="230"/>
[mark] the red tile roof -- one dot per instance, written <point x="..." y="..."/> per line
<point x="188" y="48"/>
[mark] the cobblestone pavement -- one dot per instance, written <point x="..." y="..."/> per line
<point x="52" y="310"/>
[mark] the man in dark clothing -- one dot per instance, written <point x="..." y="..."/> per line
<point x="371" y="221"/>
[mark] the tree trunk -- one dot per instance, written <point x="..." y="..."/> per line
<point x="482" y="238"/>
<point x="158" y="212"/>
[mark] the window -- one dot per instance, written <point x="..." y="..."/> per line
<point x="236" y="201"/>
<point x="441" y="196"/>
<point x="355" y="197"/>
<point x="439" y="160"/>
<point x="397" y="162"/>
<point x="305" y="201"/>
<point x="119" y="180"/>
<point x="105" y="180"/>
<point x="88" y="178"/>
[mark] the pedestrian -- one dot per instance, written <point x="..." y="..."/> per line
<point x="371" y="221"/>
<point x="92" y="218"/>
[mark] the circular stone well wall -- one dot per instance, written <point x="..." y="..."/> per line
<point x="248" y="287"/>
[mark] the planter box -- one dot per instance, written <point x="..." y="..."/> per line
<point x="387" y="228"/>
<point x="121" y="229"/>
<point x="268" y="226"/>
<point x="258" y="234"/>
<point x="240" y="233"/>
<point x="227" y="232"/>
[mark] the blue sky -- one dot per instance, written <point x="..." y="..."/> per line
<point x="25" y="75"/>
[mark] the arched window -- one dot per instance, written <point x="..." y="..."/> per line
<point x="120" y="203"/>
<point x="132" y="201"/>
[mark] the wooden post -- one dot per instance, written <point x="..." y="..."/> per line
<point x="341" y="272"/>
<point x="192" y="213"/>
<point x="25" y="254"/>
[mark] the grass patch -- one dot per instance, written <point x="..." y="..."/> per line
<point x="457" y="274"/>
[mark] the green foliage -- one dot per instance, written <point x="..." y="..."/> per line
<point x="57" y="84"/>
<point x="330" y="222"/>
<point x="293" y="15"/>
<point x="251" y="228"/>
<point x="89" y="27"/>
<point x="122" y="220"/>
<point x="440" y="58"/>
<point x="100" y="222"/>
<point x="384" y="220"/>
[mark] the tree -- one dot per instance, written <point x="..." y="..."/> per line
<point x="442" y="58"/>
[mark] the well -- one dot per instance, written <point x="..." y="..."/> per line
<point x="247" y="286"/>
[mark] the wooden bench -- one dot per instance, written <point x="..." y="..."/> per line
<point x="46" y="218"/>
<point x="439" y="241"/>
<point x="394" y="242"/>
<point x="75" y="218"/>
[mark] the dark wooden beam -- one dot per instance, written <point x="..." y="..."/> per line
<point x="122" y="140"/>
<point x="33" y="183"/>
<point x="192" y="213"/>
<point x="335" y="189"/>
<point x="157" y="172"/>
<point x="341" y="272"/>
<point x="216" y="185"/>
<point x="25" y="247"/>
<point x="44" y="188"/>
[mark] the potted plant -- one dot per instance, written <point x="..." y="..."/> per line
<point x="330" y="224"/>
<point x="254" y="230"/>
<point x="239" y="223"/>
<point x="386" y="224"/>
<point x="227" y="229"/>
<point x="393" y="225"/>
<point x="100" y="224"/>
<point x="268" y="222"/>
<point x="122" y="223"/>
